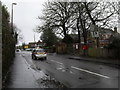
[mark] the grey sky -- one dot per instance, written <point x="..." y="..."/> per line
<point x="25" y="16"/>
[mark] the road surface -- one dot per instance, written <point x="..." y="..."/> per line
<point x="65" y="72"/>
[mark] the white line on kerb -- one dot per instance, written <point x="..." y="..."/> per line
<point x="90" y="72"/>
<point x="57" y="62"/>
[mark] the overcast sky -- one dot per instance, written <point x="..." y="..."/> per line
<point x="25" y="16"/>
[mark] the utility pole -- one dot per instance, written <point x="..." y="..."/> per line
<point x="34" y="37"/>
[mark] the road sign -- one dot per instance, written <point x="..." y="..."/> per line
<point x="95" y="34"/>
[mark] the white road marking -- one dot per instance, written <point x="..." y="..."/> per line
<point x="62" y="66"/>
<point x="56" y="61"/>
<point x="71" y="72"/>
<point x="90" y="72"/>
<point x="59" y="68"/>
<point x="63" y="70"/>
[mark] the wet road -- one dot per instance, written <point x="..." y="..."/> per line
<point x="59" y="71"/>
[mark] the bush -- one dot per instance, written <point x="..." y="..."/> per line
<point x="8" y="43"/>
<point x="67" y="39"/>
<point x="115" y="45"/>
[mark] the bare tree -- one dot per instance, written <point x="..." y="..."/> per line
<point x="65" y="17"/>
<point x="100" y="12"/>
<point x="57" y="15"/>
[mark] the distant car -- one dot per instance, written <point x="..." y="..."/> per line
<point x="18" y="50"/>
<point x="29" y="49"/>
<point x="39" y="53"/>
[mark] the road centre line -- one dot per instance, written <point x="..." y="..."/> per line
<point x="90" y="72"/>
<point x="56" y="61"/>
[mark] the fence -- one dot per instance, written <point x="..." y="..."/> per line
<point x="104" y="53"/>
<point x="92" y="52"/>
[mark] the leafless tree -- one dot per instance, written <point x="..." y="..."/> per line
<point x="77" y="16"/>
<point x="100" y="13"/>
<point x="58" y="15"/>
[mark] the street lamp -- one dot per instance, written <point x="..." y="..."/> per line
<point x="12" y="18"/>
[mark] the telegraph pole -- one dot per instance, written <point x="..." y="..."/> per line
<point x="34" y="37"/>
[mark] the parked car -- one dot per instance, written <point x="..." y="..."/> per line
<point x="29" y="49"/>
<point x="18" y="50"/>
<point x="39" y="53"/>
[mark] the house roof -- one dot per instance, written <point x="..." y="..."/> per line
<point x="106" y="30"/>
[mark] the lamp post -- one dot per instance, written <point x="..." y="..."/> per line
<point x="12" y="18"/>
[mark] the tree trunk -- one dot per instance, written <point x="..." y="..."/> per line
<point x="79" y="39"/>
<point x="64" y="30"/>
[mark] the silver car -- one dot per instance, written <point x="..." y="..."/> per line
<point x="39" y="53"/>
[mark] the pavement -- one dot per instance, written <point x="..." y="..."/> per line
<point x="21" y="75"/>
<point x="113" y="62"/>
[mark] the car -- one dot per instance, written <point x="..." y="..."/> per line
<point x="18" y="50"/>
<point x="39" y="53"/>
<point x="28" y="49"/>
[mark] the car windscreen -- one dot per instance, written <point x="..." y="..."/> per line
<point x="40" y="50"/>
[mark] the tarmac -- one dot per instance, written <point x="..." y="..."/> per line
<point x="113" y="62"/>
